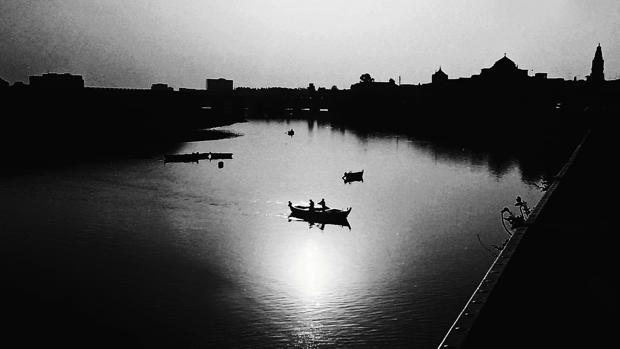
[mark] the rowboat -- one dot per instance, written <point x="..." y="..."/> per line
<point x="353" y="176"/>
<point x="318" y="214"/>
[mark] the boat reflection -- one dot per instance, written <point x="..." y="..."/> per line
<point x="320" y="223"/>
<point x="347" y="181"/>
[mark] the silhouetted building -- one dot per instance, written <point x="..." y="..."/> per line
<point x="503" y="70"/>
<point x="377" y="86"/>
<point x="540" y="76"/>
<point x="368" y="83"/>
<point x="219" y="85"/>
<point x="161" y="87"/>
<point x="597" y="75"/>
<point x="57" y="81"/>
<point x="439" y="77"/>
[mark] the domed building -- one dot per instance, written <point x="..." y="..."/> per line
<point x="504" y="70"/>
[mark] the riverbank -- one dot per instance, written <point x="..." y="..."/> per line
<point x="555" y="284"/>
<point x="30" y="146"/>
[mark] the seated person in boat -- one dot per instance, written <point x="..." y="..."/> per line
<point x="311" y="205"/>
<point x="322" y="203"/>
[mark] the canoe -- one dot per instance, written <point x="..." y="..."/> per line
<point x="353" y="176"/>
<point x="318" y="214"/>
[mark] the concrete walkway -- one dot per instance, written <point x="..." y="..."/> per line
<point x="556" y="285"/>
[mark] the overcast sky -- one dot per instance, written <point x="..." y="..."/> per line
<point x="290" y="43"/>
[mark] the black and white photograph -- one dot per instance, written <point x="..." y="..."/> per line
<point x="309" y="174"/>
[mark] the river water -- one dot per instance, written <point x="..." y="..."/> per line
<point x="140" y="252"/>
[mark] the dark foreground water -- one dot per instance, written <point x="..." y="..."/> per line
<point x="141" y="253"/>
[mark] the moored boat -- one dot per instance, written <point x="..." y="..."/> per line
<point x="213" y="156"/>
<point x="193" y="157"/>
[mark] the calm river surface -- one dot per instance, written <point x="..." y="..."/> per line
<point x="192" y="255"/>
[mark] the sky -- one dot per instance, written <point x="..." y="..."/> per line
<point x="291" y="43"/>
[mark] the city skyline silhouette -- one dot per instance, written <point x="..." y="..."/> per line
<point x="504" y="70"/>
<point x="272" y="43"/>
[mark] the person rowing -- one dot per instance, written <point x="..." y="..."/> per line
<point x="322" y="203"/>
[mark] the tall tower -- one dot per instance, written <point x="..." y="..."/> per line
<point x="597" y="75"/>
<point x="439" y="77"/>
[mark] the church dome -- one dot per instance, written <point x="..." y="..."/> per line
<point x="504" y="63"/>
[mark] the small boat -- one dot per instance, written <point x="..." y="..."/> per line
<point x="353" y="176"/>
<point x="290" y="132"/>
<point x="318" y="214"/>
<point x="213" y="156"/>
<point x="193" y="157"/>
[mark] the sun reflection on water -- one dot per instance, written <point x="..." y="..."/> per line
<point x="309" y="273"/>
<point x="310" y="334"/>
<point x="312" y="282"/>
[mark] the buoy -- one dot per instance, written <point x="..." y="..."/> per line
<point x="220" y="164"/>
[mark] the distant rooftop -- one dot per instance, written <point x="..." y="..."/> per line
<point x="57" y="81"/>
